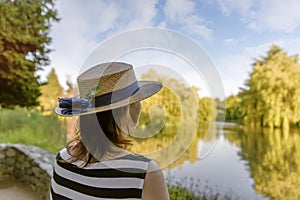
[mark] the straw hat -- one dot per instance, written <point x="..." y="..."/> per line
<point x="104" y="87"/>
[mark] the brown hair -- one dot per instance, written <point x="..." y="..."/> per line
<point x="97" y="133"/>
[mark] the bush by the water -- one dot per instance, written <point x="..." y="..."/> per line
<point x="30" y="126"/>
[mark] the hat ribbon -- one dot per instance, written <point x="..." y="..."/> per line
<point x="74" y="105"/>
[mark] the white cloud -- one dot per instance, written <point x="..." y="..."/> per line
<point x="274" y="15"/>
<point x="229" y="6"/>
<point x="179" y="10"/>
<point x="86" y="23"/>
<point x="230" y="41"/>
<point x="290" y="46"/>
<point x="183" y="12"/>
<point x="135" y="14"/>
<point x="235" y="68"/>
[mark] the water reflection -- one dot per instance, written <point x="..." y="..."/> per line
<point x="251" y="163"/>
<point x="273" y="157"/>
<point x="178" y="146"/>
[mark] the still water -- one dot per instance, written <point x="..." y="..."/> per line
<point x="250" y="164"/>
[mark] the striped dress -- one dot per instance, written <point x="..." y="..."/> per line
<point x="120" y="178"/>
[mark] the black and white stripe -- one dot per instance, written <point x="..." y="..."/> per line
<point x="121" y="178"/>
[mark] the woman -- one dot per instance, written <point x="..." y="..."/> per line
<point x="95" y="163"/>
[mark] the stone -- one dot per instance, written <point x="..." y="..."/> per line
<point x="10" y="152"/>
<point x="2" y="156"/>
<point x="10" y="161"/>
<point x="28" y="164"/>
<point x="18" y="174"/>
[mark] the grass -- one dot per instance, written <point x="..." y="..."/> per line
<point x="30" y="126"/>
<point x="189" y="189"/>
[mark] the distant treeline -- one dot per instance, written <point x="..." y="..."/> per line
<point x="269" y="98"/>
<point x="174" y="97"/>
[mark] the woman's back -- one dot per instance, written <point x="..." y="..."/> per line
<point x="119" y="178"/>
<point x="99" y="166"/>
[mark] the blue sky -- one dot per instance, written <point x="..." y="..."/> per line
<point x="233" y="32"/>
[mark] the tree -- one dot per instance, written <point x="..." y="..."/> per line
<point x="24" y="36"/>
<point x="50" y="92"/>
<point x="233" y="108"/>
<point x="207" y="109"/>
<point x="272" y="96"/>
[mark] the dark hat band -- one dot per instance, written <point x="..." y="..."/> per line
<point x="115" y="96"/>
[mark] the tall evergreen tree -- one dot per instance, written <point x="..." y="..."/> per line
<point x="24" y="36"/>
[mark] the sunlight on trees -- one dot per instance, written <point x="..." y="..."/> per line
<point x="271" y="97"/>
<point x="51" y="90"/>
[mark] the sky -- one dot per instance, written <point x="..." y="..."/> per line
<point x="233" y="33"/>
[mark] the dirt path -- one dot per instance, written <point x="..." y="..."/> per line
<point x="15" y="191"/>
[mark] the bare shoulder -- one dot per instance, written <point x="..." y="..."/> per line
<point x="155" y="186"/>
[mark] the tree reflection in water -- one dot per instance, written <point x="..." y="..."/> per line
<point x="166" y="136"/>
<point x="273" y="156"/>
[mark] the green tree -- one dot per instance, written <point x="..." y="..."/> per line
<point x="233" y="108"/>
<point x="50" y="92"/>
<point x="207" y="109"/>
<point x="24" y="36"/>
<point x="272" y="96"/>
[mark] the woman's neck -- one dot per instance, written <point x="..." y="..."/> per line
<point x="113" y="153"/>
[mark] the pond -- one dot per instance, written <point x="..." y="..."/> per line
<point x="250" y="164"/>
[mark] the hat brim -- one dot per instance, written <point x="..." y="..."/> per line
<point x="146" y="89"/>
